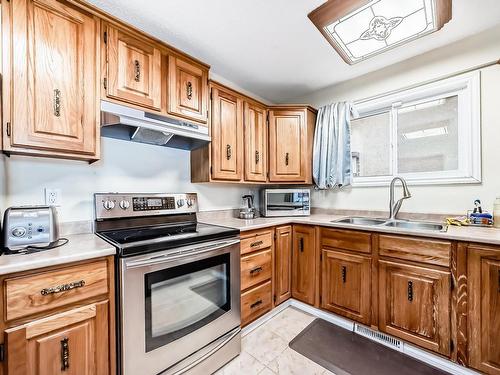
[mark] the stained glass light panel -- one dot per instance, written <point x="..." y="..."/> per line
<point x="381" y="25"/>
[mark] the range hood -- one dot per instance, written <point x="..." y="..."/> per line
<point x="130" y="124"/>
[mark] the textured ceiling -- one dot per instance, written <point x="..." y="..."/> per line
<point x="269" y="47"/>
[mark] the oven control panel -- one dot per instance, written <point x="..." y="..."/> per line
<point x="117" y="205"/>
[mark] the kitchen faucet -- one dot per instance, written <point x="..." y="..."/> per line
<point x="394" y="207"/>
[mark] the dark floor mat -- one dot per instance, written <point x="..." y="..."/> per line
<point x="345" y="352"/>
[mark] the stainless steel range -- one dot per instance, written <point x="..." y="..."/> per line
<point x="178" y="284"/>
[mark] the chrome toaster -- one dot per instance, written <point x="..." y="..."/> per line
<point x="26" y="226"/>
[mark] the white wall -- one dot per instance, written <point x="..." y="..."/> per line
<point x="476" y="50"/>
<point x="3" y="185"/>
<point x="124" y="166"/>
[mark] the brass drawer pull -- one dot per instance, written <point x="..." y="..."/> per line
<point x="287" y="158"/>
<point x="189" y="90"/>
<point x="228" y="152"/>
<point x="64" y="354"/>
<point x="344" y="274"/>
<point x="62" y="288"/>
<point x="137" y="71"/>
<point x="57" y="102"/>
<point x="255" y="304"/>
<point x="256" y="270"/>
<point x="257" y="157"/>
<point x="410" y="291"/>
<point x="256" y="243"/>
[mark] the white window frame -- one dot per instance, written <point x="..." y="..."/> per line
<point x="468" y="89"/>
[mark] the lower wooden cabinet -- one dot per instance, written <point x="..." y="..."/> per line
<point x="70" y="343"/>
<point x="303" y="263"/>
<point x="483" y="288"/>
<point x="256" y="302"/>
<point x="283" y="266"/>
<point x="414" y="304"/>
<point x="346" y="285"/>
<point x="257" y="270"/>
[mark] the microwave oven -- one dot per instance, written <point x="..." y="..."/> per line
<point x="285" y="202"/>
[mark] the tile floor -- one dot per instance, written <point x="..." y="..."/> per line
<point x="265" y="350"/>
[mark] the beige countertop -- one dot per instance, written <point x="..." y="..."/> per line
<point x="80" y="247"/>
<point x="467" y="234"/>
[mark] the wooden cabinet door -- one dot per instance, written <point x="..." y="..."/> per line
<point x="187" y="89"/>
<point x="54" y="78"/>
<point x="227" y="153"/>
<point x="75" y="342"/>
<point x="346" y="285"/>
<point x="483" y="281"/>
<point x="287" y="145"/>
<point x="134" y="69"/>
<point x="414" y="304"/>
<point x="255" y="129"/>
<point x="283" y="268"/>
<point x="303" y="263"/>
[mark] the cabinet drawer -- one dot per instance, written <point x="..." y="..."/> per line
<point x="256" y="268"/>
<point x="255" y="241"/>
<point x="346" y="240"/>
<point x="34" y="293"/>
<point x="255" y="303"/>
<point x="416" y="249"/>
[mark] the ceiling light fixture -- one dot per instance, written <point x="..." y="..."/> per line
<point x="360" y="29"/>
<point x="443" y="130"/>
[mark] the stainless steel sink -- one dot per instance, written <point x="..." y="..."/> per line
<point x="360" y="221"/>
<point x="403" y="224"/>
<point x="416" y="225"/>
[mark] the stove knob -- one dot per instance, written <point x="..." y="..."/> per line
<point x="108" y="205"/>
<point x="180" y="202"/>
<point x="124" y="205"/>
<point x="189" y="202"/>
<point x="19" y="231"/>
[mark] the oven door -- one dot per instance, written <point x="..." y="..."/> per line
<point x="176" y="302"/>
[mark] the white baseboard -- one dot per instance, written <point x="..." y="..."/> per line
<point x="410" y="350"/>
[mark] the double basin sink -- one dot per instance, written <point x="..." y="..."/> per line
<point x="402" y="224"/>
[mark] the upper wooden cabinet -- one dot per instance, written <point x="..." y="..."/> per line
<point x="304" y="263"/>
<point x="133" y="67"/>
<point x="227" y="145"/>
<point x="187" y="89"/>
<point x="50" y="80"/>
<point x="414" y="304"/>
<point x="291" y="133"/>
<point x="283" y="267"/>
<point x="483" y="289"/>
<point x="255" y="130"/>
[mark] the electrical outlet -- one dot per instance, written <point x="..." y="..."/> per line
<point x="52" y="197"/>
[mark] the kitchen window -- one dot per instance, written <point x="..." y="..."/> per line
<point x="428" y="135"/>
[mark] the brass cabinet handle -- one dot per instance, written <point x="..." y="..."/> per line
<point x="499" y="281"/>
<point x="301" y="244"/>
<point x="257" y="157"/>
<point x="62" y="288"/>
<point x="228" y="152"/>
<point x="57" y="102"/>
<point x="64" y="354"/>
<point x="344" y="274"/>
<point x="410" y="291"/>
<point x="137" y="71"/>
<point x="255" y="304"/>
<point x="189" y="90"/>
<point x="287" y="158"/>
<point x="256" y="243"/>
<point x="255" y="270"/>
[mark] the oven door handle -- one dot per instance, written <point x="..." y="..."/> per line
<point x="176" y="256"/>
